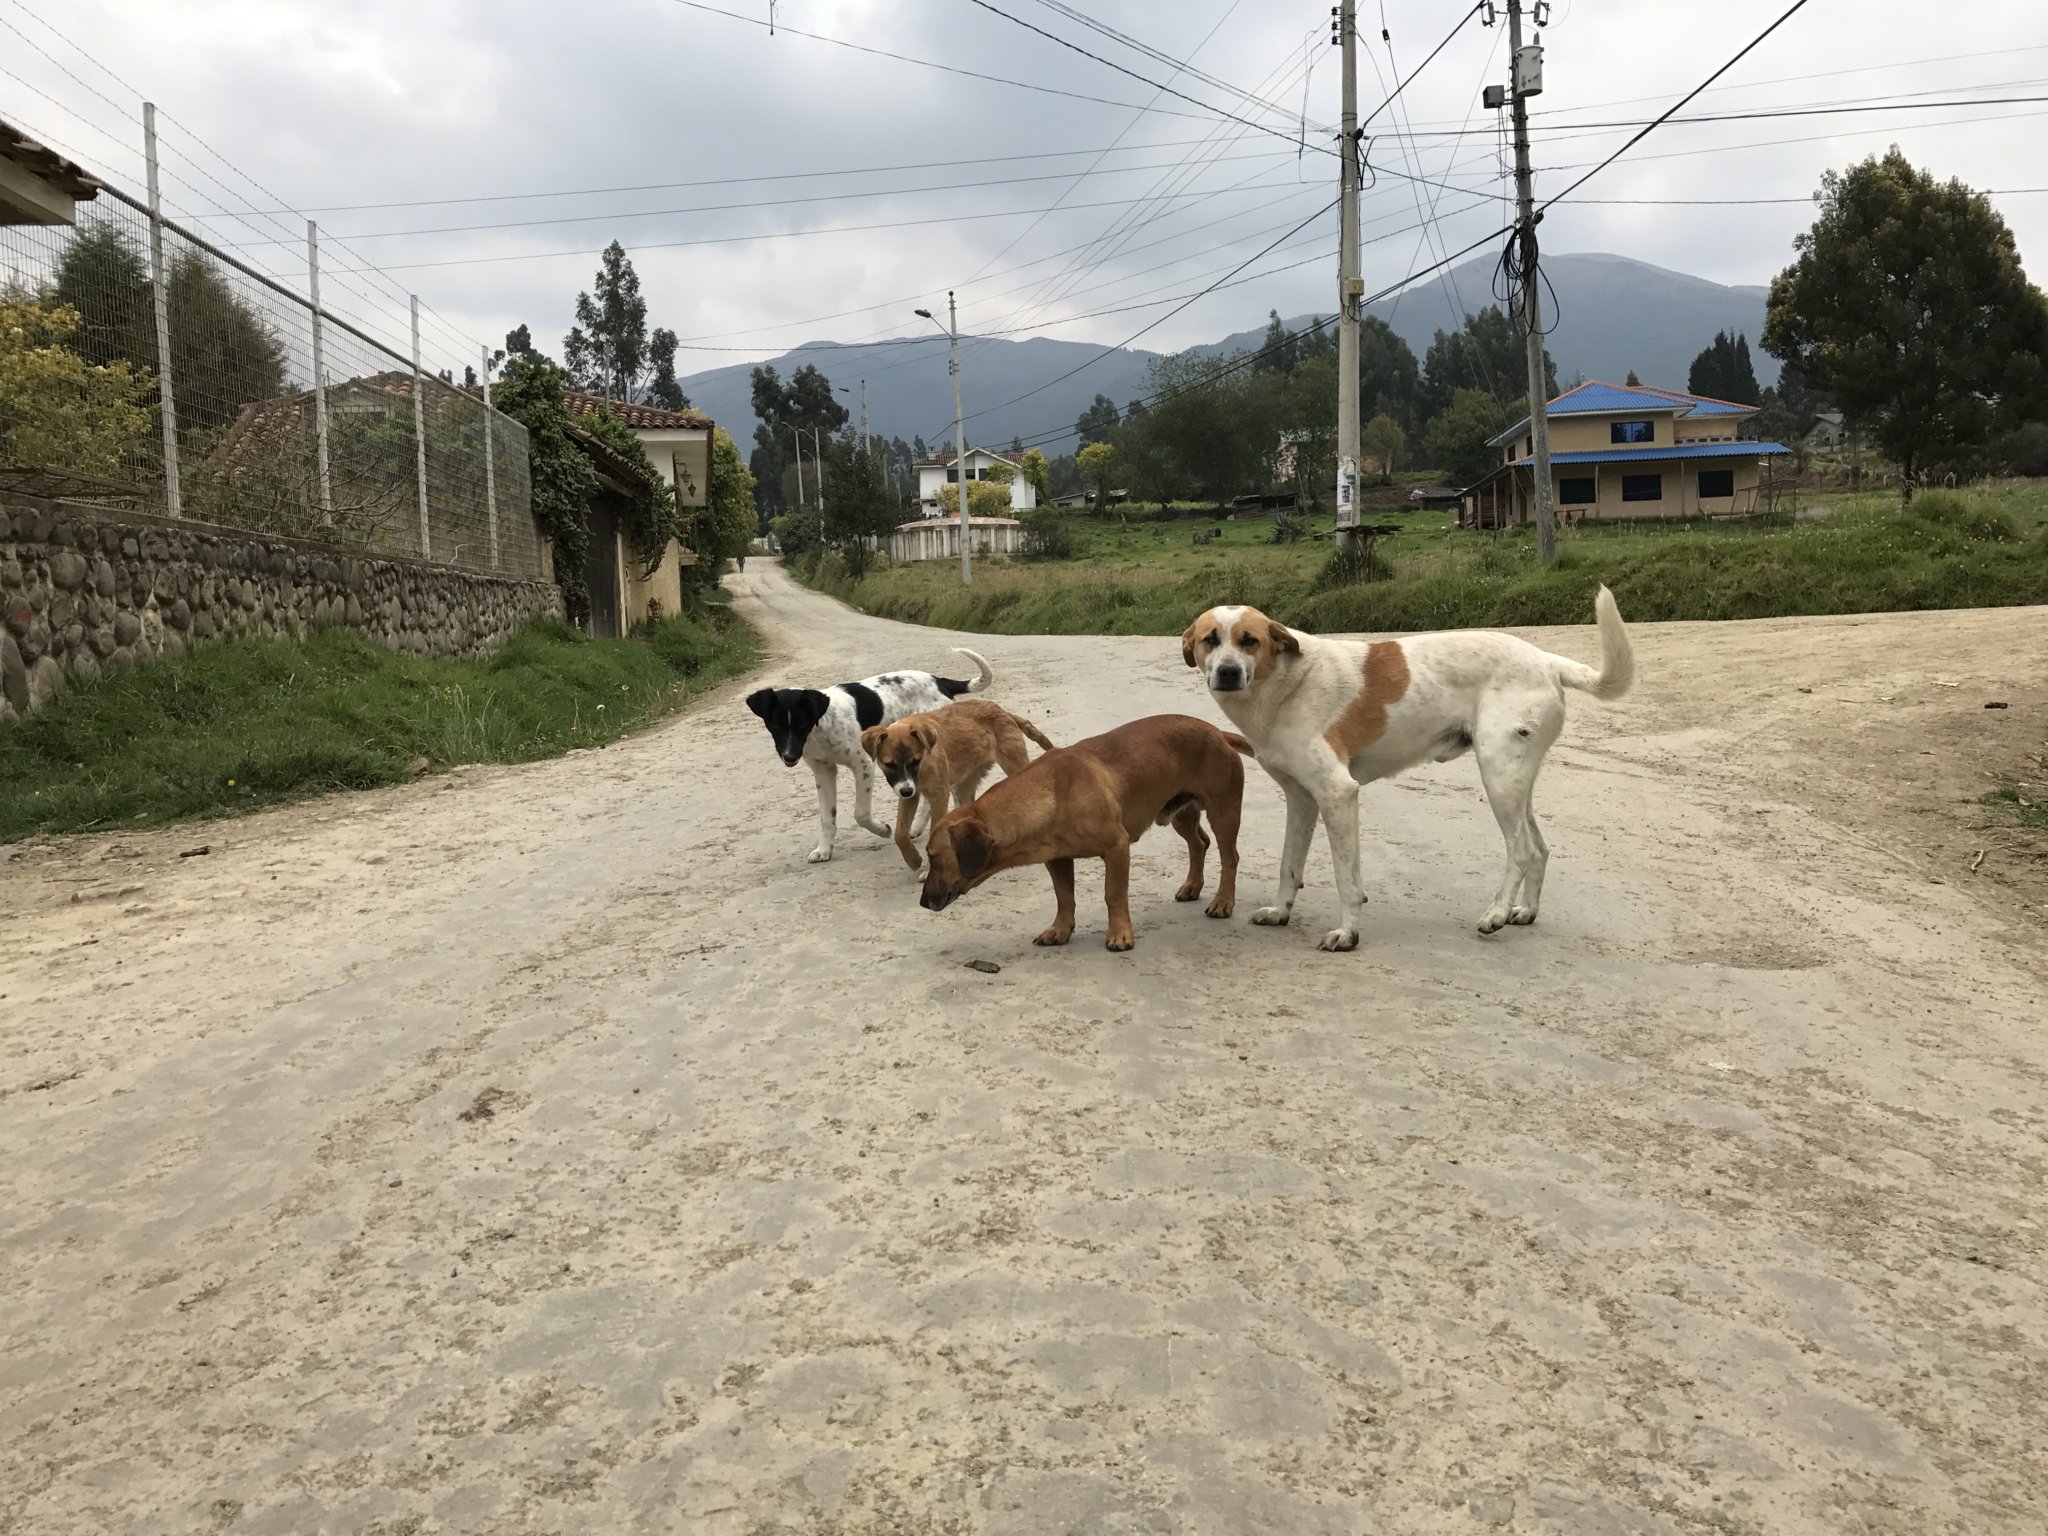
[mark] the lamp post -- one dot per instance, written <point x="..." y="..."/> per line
<point x="952" y="330"/>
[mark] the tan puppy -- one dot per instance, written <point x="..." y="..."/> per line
<point x="1329" y="715"/>
<point x="1092" y="801"/>
<point x="943" y="755"/>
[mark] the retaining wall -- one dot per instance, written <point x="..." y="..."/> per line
<point x="84" y="590"/>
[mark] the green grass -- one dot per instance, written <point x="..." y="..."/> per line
<point x="1985" y="547"/>
<point x="243" y="723"/>
<point x="2011" y="803"/>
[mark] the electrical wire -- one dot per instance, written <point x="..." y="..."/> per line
<point x="1054" y="37"/>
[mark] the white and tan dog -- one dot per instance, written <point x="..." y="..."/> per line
<point x="1325" y="716"/>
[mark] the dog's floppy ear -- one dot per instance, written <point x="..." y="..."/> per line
<point x="1283" y="638"/>
<point x="1187" y="639"/>
<point x="924" y="736"/>
<point x="973" y="848"/>
<point x="871" y="740"/>
<point x="816" y="702"/>
<point x="761" y="700"/>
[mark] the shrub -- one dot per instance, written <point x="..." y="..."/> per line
<point x="1289" y="528"/>
<point x="1350" y="567"/>
<point x="1047" y="536"/>
<point x="796" y="532"/>
<point x="1975" y="520"/>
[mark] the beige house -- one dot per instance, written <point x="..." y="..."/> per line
<point x="1627" y="451"/>
<point x="679" y="445"/>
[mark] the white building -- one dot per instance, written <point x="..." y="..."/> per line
<point x="938" y="470"/>
<point x="938" y="538"/>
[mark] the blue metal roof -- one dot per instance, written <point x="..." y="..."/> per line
<point x="1659" y="455"/>
<point x="1596" y="396"/>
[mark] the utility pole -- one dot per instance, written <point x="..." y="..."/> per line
<point x="1525" y="79"/>
<point x="959" y="430"/>
<point x="864" y="417"/>
<point x="798" y="433"/>
<point x="817" y="463"/>
<point x="1350" y="288"/>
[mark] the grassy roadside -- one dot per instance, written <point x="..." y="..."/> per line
<point x="244" y="723"/>
<point x="1984" y="547"/>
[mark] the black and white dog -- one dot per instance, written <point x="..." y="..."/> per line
<point x="822" y="726"/>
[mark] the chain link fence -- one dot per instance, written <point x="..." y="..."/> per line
<point x="143" y="366"/>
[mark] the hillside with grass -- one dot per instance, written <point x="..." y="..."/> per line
<point x="243" y="723"/>
<point x="1843" y="553"/>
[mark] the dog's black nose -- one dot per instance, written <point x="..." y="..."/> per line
<point x="1228" y="679"/>
<point x="790" y="762"/>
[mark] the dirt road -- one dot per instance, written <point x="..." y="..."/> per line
<point x="552" y="1149"/>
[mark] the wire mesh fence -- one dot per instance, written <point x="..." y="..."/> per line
<point x="141" y="365"/>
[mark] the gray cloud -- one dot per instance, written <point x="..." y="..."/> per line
<point x="389" y="103"/>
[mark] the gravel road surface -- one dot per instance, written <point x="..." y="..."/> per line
<point x="552" y="1149"/>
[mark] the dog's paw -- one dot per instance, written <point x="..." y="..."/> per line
<point x="1521" y="917"/>
<point x="1119" y="942"/>
<point x="1273" y="917"/>
<point x="1054" y="937"/>
<point x="1496" y="919"/>
<point x="1219" y="908"/>
<point x="1189" y="891"/>
<point x="820" y="855"/>
<point x="1338" y="940"/>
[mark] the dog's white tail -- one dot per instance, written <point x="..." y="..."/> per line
<point x="987" y="674"/>
<point x="1617" y="671"/>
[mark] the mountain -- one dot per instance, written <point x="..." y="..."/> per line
<point x="910" y="393"/>
<point x="1609" y="314"/>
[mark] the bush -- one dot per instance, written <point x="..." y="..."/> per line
<point x="1349" y="567"/>
<point x="1047" y="536"/>
<point x="1975" y="520"/>
<point x="1289" y="529"/>
<point x="797" y="532"/>
<point x="2024" y="451"/>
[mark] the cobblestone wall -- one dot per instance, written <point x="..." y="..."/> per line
<point x="83" y="591"/>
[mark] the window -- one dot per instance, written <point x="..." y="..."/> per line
<point x="1576" y="492"/>
<point x="1642" y="487"/>
<point x="1716" y="482"/>
<point x="952" y="476"/>
<point x="1632" y="431"/>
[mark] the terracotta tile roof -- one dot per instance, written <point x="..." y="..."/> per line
<point x="72" y="180"/>
<point x="648" y="418"/>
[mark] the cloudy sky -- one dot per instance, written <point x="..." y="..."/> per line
<point x="779" y="189"/>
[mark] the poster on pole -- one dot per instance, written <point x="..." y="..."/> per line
<point x="1347" y="483"/>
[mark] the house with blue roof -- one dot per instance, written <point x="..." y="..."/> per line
<point x="1626" y="450"/>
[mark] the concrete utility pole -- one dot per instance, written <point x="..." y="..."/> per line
<point x="1350" y="290"/>
<point x="817" y="463"/>
<point x="1526" y="80"/>
<point x="797" y="432"/>
<point x="959" y="432"/>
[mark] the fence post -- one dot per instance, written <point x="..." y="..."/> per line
<point x="160" y="294"/>
<point x="419" y="432"/>
<point x="490" y="462"/>
<point x="319" y="371"/>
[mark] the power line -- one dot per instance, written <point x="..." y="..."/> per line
<point x="1155" y="324"/>
<point x="1182" y="65"/>
<point x="1747" y="48"/>
<point x="950" y="69"/>
<point x="782" y="202"/>
<point x="791" y="234"/>
<point x="1120" y="69"/>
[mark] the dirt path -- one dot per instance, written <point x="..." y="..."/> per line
<point x="552" y="1149"/>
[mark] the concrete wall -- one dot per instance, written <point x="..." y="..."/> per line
<point x="939" y="538"/>
<point x="84" y="591"/>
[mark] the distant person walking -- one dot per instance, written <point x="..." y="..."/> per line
<point x="743" y="563"/>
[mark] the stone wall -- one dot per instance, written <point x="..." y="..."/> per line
<point x="83" y="591"/>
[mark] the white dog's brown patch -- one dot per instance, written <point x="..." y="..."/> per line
<point x="1364" y="719"/>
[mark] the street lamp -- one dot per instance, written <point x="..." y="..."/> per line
<point x="952" y="330"/>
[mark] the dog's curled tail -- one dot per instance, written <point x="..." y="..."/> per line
<point x="984" y="673"/>
<point x="1032" y="731"/>
<point x="1238" y="742"/>
<point x="1617" y="670"/>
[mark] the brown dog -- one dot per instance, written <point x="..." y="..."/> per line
<point x="1092" y="801"/>
<point x="943" y="755"/>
